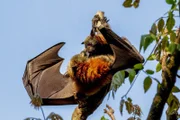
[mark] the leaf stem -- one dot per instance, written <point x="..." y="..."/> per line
<point x="43" y="113"/>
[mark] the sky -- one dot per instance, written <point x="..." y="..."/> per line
<point x="28" y="27"/>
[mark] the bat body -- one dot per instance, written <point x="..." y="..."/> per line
<point x="89" y="73"/>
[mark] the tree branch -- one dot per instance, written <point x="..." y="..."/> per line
<point x="169" y="72"/>
<point x="110" y="112"/>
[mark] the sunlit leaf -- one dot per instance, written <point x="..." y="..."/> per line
<point x="103" y="118"/>
<point x="137" y="110"/>
<point x="121" y="106"/>
<point x="132" y="74"/>
<point x="170" y="1"/>
<point x="165" y="42"/>
<point x="170" y="22"/>
<point x="142" y="41"/>
<point x="148" y="40"/>
<point x="54" y="116"/>
<point x="127" y="3"/>
<point x="152" y="57"/>
<point x="32" y="118"/>
<point x="173" y="104"/>
<point x="136" y="3"/>
<point x="160" y="25"/>
<point x="153" y="29"/>
<point x="173" y="36"/>
<point x="175" y="89"/>
<point x="129" y="107"/>
<point x="172" y="48"/>
<point x="131" y="118"/>
<point x="150" y="72"/>
<point x="129" y="100"/>
<point x="158" y="67"/>
<point x="147" y="83"/>
<point x="138" y="66"/>
<point x="178" y="47"/>
<point x="117" y="80"/>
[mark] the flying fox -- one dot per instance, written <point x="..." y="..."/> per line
<point x="89" y="73"/>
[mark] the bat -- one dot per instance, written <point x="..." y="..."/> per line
<point x="42" y="76"/>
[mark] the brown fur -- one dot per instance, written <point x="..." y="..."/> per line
<point x="91" y="74"/>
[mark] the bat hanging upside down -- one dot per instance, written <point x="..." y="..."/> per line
<point x="89" y="73"/>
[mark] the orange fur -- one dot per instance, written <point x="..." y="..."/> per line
<point x="92" y="74"/>
<point x="92" y="69"/>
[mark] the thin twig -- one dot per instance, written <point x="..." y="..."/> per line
<point x="139" y="72"/>
<point x="110" y="112"/>
<point x="43" y="113"/>
<point x="152" y="77"/>
<point x="164" y="17"/>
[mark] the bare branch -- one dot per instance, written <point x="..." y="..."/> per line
<point x="110" y="112"/>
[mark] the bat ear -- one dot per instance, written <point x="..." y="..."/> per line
<point x="92" y="33"/>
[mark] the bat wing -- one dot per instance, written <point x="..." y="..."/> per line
<point x="126" y="55"/>
<point x="42" y="77"/>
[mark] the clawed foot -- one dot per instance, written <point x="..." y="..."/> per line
<point x="99" y="21"/>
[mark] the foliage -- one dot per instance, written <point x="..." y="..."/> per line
<point x="163" y="34"/>
<point x="132" y="109"/>
<point x="51" y="116"/>
<point x="130" y="3"/>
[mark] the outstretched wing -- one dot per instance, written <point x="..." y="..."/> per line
<point x="42" y="77"/>
<point x="126" y="55"/>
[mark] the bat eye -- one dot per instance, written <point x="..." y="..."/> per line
<point x="82" y="43"/>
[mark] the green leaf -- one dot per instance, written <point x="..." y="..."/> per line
<point x="150" y="72"/>
<point x="173" y="36"/>
<point x="121" y="106"/>
<point x="152" y="57"/>
<point x="129" y="107"/>
<point x="153" y="29"/>
<point x="127" y="3"/>
<point x="147" y="83"/>
<point x="136" y="3"/>
<point x="173" y="104"/>
<point x="54" y="116"/>
<point x="165" y="42"/>
<point x="148" y="40"/>
<point x="170" y="1"/>
<point x="132" y="74"/>
<point x="142" y="41"/>
<point x="178" y="47"/>
<point x="32" y="118"/>
<point x="138" y="66"/>
<point x="170" y="22"/>
<point x="175" y="89"/>
<point x="172" y="47"/>
<point x="103" y="118"/>
<point x="160" y="25"/>
<point x="117" y="80"/>
<point x="158" y="67"/>
<point x="131" y="118"/>
<point x="129" y="100"/>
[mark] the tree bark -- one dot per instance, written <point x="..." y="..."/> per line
<point x="170" y="64"/>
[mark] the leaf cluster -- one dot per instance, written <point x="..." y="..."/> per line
<point x="119" y="77"/>
<point x="132" y="109"/>
<point x="131" y="3"/>
<point x="51" y="116"/>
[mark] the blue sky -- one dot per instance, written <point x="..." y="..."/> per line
<point x="28" y="27"/>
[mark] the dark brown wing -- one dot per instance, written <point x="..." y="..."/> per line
<point x="42" y="77"/>
<point x="126" y="55"/>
